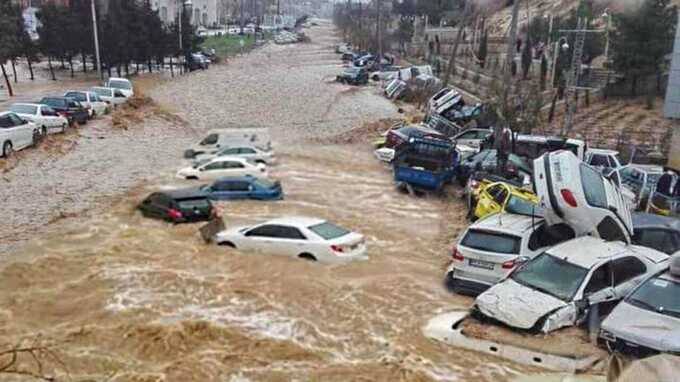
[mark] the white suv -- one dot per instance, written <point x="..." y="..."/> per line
<point x="493" y="246"/>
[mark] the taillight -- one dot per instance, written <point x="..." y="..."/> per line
<point x="509" y="264"/>
<point x="174" y="214"/>
<point x="336" y="248"/>
<point x="568" y="197"/>
<point x="456" y="255"/>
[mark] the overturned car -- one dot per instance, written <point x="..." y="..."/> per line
<point x="559" y="287"/>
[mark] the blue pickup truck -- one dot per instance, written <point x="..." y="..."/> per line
<point x="425" y="163"/>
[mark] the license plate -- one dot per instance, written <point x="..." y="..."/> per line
<point x="481" y="264"/>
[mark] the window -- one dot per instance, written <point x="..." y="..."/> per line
<point x="491" y="242"/>
<point x="194" y="203"/>
<point x="240" y="186"/>
<point x="16" y="119"/>
<point x="231" y="165"/>
<point x="213" y="166"/>
<point x="658" y="295"/>
<point x="626" y="269"/>
<point x="118" y="84"/>
<point x="600" y="278"/>
<point x="292" y="233"/>
<point x="328" y="231"/>
<point x="209" y="140"/>
<point x="501" y="195"/>
<point x="609" y="230"/>
<point x="659" y="239"/>
<point x="246" y="150"/>
<point x="263" y="231"/>
<point x="78" y="96"/>
<point x="548" y="236"/>
<point x="551" y="275"/>
<point x="599" y="160"/>
<point x="593" y="187"/>
<point x="6" y="122"/>
<point x="46" y="110"/>
<point x="222" y="186"/>
<point x="24" y="109"/>
<point x="230" y="151"/>
<point x="74" y="104"/>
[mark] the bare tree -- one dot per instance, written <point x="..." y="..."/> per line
<point x="29" y="357"/>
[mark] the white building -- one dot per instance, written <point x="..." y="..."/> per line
<point x="203" y="12"/>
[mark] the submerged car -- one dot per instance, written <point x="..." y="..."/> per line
<point x="44" y="117"/>
<point x="353" y="76"/>
<point x="251" y="152"/>
<point x="557" y="288"/>
<point x="647" y="321"/>
<point x="243" y="187"/>
<point x="301" y="237"/>
<point x="494" y="246"/>
<point x="502" y="197"/>
<point x="577" y="194"/>
<point x="223" y="166"/>
<point x="178" y="206"/>
<point x="659" y="232"/>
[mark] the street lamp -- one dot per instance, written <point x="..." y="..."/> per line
<point x="607" y="15"/>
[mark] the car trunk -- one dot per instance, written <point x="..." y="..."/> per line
<point x="195" y="209"/>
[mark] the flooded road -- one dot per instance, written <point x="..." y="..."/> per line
<point x="124" y="298"/>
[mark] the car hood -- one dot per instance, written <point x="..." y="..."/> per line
<point x="644" y="327"/>
<point x="516" y="305"/>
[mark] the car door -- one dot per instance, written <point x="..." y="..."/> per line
<point x="240" y="189"/>
<point x="260" y="239"/>
<point x="22" y="130"/>
<point x="234" y="168"/>
<point x="628" y="272"/>
<point x="599" y="288"/>
<point x="221" y="190"/>
<point x="212" y="170"/>
<point x="287" y="241"/>
<point x="247" y="152"/>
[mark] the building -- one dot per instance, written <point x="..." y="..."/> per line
<point x="203" y="12"/>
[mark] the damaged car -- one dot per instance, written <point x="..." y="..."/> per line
<point x="647" y="321"/>
<point x="574" y="193"/>
<point x="558" y="288"/>
<point x="353" y="76"/>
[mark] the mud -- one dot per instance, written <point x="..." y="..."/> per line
<point x="125" y="298"/>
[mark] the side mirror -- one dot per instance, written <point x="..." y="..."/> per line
<point x="604" y="295"/>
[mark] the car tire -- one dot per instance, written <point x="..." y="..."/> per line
<point x="227" y="244"/>
<point x="7" y="149"/>
<point x="307" y="256"/>
<point x="192" y="178"/>
<point x="64" y="127"/>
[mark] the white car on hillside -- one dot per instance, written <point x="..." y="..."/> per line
<point x="495" y="245"/>
<point x="44" y="117"/>
<point x="16" y="133"/>
<point x="211" y="169"/>
<point x="301" y="237"/>
<point x="253" y="153"/>
<point x="122" y="84"/>
<point x="113" y="97"/>
<point x="95" y="106"/>
<point x="574" y="193"/>
<point x="558" y="288"/>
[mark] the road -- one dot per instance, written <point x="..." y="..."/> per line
<point x="124" y="298"/>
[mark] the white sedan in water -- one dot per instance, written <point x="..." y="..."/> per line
<point x="45" y="118"/>
<point x="302" y="237"/>
<point x="211" y="169"/>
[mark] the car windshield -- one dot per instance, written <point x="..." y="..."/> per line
<point x="53" y="101"/>
<point x="551" y="275"/>
<point x="659" y="295"/>
<point x="103" y="92"/>
<point x="200" y="163"/>
<point x="189" y="204"/>
<point x="491" y="242"/>
<point x="263" y="183"/>
<point x="521" y="206"/>
<point x="23" y="109"/>
<point x="78" y="96"/>
<point x="118" y="84"/>
<point x="328" y="231"/>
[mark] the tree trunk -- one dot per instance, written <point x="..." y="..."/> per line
<point x="49" y="63"/>
<point x="148" y="64"/>
<point x="553" y="104"/>
<point x="30" y="67"/>
<point x="108" y="68"/>
<point x="82" y="54"/>
<point x="118" y="69"/>
<point x="63" y="63"/>
<point x="172" y="71"/>
<point x="14" y="71"/>
<point x="451" y="68"/>
<point x="127" y="69"/>
<point x="70" y="64"/>
<point x="136" y="67"/>
<point x="633" y="87"/>
<point x="9" y="85"/>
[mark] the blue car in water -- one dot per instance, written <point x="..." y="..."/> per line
<point x="243" y="187"/>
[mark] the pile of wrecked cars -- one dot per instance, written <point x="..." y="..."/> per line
<point x="565" y="251"/>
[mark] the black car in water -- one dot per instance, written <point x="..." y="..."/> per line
<point x="178" y="206"/>
<point x="67" y="107"/>
<point x="354" y="76"/>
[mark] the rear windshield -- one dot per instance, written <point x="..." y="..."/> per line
<point x="189" y="204"/>
<point x="593" y="187"/>
<point x="23" y="109"/>
<point x="520" y="206"/>
<point x="118" y="84"/>
<point x="658" y="295"/>
<point x="328" y="231"/>
<point x="551" y="275"/>
<point x="103" y="92"/>
<point x="78" y="96"/>
<point x="491" y="242"/>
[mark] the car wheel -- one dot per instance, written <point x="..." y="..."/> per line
<point x="64" y="127"/>
<point x="192" y="178"/>
<point x="7" y="149"/>
<point x="307" y="256"/>
<point x="227" y="244"/>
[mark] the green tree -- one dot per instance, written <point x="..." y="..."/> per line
<point x="641" y="39"/>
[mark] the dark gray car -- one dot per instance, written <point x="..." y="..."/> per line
<point x="659" y="232"/>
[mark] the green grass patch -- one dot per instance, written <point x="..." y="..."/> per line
<point x="229" y="45"/>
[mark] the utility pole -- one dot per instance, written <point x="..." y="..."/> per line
<point x="96" y="41"/>
<point x="461" y="26"/>
<point x="377" y="32"/>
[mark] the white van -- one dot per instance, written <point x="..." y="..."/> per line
<point x="216" y="139"/>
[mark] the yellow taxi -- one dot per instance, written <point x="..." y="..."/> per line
<point x="493" y="197"/>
